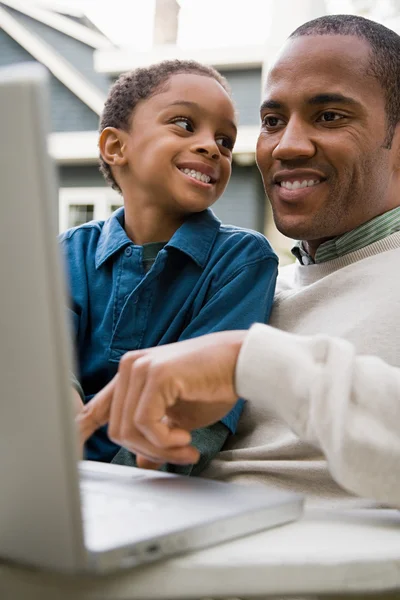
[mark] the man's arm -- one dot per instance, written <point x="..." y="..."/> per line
<point x="347" y="404"/>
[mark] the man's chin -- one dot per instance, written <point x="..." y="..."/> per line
<point x="294" y="229"/>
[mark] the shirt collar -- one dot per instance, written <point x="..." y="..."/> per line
<point x="195" y="237"/>
<point x="372" y="231"/>
<point x="112" y="237"/>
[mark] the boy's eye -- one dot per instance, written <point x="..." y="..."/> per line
<point x="226" y="142"/>
<point x="184" y="123"/>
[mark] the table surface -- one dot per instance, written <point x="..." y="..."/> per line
<point x="326" y="552"/>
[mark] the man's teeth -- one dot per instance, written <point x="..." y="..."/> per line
<point x="196" y="175"/>
<point x="297" y="185"/>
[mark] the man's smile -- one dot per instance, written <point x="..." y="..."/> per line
<point x="298" y="184"/>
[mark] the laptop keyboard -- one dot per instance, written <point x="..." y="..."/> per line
<point x="109" y="496"/>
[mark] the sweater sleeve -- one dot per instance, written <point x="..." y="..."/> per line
<point x="346" y="404"/>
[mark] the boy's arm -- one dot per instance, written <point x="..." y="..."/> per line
<point x="244" y="298"/>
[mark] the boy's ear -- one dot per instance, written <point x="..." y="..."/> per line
<point x="112" y="146"/>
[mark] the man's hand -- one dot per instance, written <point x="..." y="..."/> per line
<point x="160" y="394"/>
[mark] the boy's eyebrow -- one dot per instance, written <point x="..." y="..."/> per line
<point x="195" y="105"/>
<point x="313" y="101"/>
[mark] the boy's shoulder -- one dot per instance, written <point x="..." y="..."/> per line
<point x="82" y="233"/>
<point x="245" y="239"/>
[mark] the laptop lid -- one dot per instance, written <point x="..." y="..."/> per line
<point x="40" y="515"/>
<point x="40" y="509"/>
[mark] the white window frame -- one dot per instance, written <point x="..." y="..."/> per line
<point x="102" y="198"/>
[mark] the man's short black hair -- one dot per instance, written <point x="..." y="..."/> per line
<point x="384" y="62"/>
<point x="140" y="84"/>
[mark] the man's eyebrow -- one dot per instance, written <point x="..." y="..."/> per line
<point x="270" y="104"/>
<point x="195" y="105"/>
<point x="313" y="101"/>
<point x="328" y="98"/>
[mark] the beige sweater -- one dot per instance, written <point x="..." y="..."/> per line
<point x="323" y="414"/>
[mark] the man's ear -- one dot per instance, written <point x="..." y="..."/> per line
<point x="396" y="147"/>
<point x="112" y="146"/>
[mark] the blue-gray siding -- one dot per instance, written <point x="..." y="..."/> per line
<point x="68" y="113"/>
<point x="243" y="202"/>
<point x="246" y="91"/>
<point x="84" y="176"/>
<point x="78" y="54"/>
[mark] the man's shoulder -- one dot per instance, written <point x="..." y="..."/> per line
<point x="286" y="277"/>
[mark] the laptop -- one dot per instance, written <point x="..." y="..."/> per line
<point x="56" y="512"/>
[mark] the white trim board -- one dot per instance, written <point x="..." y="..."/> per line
<point x="118" y="60"/>
<point x="57" y="65"/>
<point x="60" y="23"/>
<point x="76" y="147"/>
<point x="60" y="6"/>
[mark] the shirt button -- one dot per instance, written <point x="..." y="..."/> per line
<point x="128" y="251"/>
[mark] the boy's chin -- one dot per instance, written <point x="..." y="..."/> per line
<point x="195" y="205"/>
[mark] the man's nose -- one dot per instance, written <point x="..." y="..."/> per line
<point x="295" y="142"/>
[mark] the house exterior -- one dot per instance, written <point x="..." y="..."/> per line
<point x="83" y="63"/>
<point x="65" y="42"/>
<point x="76" y="55"/>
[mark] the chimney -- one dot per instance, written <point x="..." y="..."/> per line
<point x="166" y="22"/>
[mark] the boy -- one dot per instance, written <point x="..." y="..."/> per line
<point x="164" y="268"/>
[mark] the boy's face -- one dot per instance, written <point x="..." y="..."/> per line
<point x="179" y="148"/>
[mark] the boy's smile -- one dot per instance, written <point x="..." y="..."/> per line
<point x="178" y="152"/>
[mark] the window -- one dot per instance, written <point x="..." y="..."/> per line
<point x="80" y="213"/>
<point x="80" y="205"/>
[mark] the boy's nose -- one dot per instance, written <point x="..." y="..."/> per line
<point x="213" y="152"/>
<point x="205" y="143"/>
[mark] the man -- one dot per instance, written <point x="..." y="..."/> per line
<point x="323" y="411"/>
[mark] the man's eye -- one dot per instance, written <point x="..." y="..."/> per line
<point x="328" y="116"/>
<point x="271" y="122"/>
<point x="226" y="142"/>
<point x="184" y="123"/>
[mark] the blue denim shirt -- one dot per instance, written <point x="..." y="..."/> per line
<point x="209" y="277"/>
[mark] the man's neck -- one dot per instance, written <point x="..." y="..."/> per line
<point x="311" y="246"/>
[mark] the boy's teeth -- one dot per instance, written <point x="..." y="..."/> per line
<point x="196" y="175"/>
<point x="296" y="185"/>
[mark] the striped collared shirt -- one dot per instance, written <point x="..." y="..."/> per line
<point x="374" y="230"/>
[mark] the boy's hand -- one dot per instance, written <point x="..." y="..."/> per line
<point x="160" y="394"/>
<point x="77" y="400"/>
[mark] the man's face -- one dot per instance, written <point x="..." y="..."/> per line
<point x="321" y="146"/>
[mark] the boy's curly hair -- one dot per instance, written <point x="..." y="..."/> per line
<point x="140" y="84"/>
